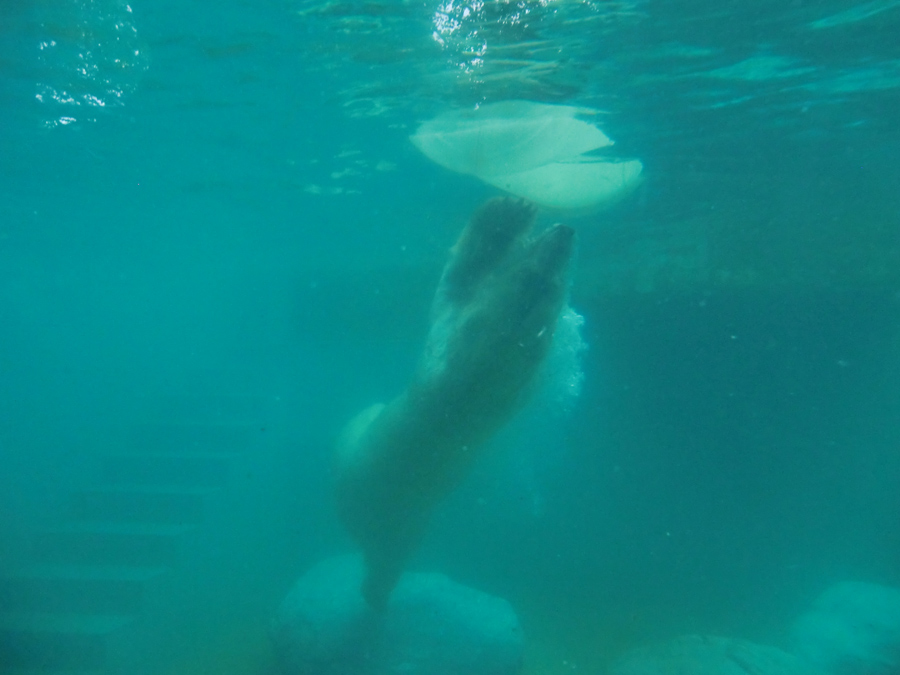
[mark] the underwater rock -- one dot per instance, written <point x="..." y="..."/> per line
<point x="710" y="655"/>
<point x="853" y="628"/>
<point x="431" y="626"/>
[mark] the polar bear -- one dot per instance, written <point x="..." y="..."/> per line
<point x="493" y="319"/>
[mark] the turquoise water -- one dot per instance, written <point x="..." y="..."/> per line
<point x="230" y="188"/>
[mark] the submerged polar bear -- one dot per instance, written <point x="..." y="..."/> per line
<point x="493" y="319"/>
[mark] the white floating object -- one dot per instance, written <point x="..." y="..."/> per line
<point x="532" y="150"/>
<point x="572" y="185"/>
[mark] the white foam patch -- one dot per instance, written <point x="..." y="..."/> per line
<point x="563" y="375"/>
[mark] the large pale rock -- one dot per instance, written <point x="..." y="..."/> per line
<point x="709" y="655"/>
<point x="853" y="628"/>
<point x="431" y="626"/>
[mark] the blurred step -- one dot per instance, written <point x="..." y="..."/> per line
<point x="169" y="437"/>
<point x="57" y="642"/>
<point x="110" y="543"/>
<point x="197" y="469"/>
<point x="81" y="589"/>
<point x="180" y="504"/>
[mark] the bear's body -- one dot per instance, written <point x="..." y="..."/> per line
<point x="494" y="315"/>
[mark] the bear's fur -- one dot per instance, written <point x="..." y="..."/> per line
<point x="494" y="314"/>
